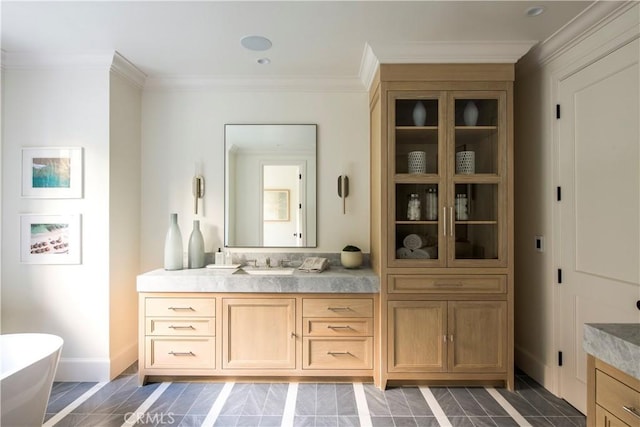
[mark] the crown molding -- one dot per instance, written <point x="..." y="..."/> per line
<point x="597" y="15"/>
<point x="451" y="52"/>
<point x="319" y="84"/>
<point x="57" y="60"/>
<point x="368" y="66"/>
<point x="123" y="67"/>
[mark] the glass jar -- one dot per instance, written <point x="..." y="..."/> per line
<point x="431" y="207"/>
<point x="462" y="212"/>
<point x="413" y="210"/>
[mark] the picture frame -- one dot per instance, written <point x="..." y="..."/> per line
<point x="52" y="172"/>
<point x="50" y="239"/>
<point x="276" y="205"/>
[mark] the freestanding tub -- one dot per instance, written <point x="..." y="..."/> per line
<point x="28" y="364"/>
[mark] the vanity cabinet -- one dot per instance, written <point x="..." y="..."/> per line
<point x="259" y="333"/>
<point x="337" y="333"/>
<point x="256" y="334"/>
<point x="441" y="140"/>
<point x="613" y="397"/>
<point x="179" y="333"/>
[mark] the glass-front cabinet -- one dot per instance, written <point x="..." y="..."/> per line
<point x="448" y="154"/>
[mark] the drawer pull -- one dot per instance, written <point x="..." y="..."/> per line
<point x="182" y="327"/>
<point x="633" y="411"/>
<point x="184" y="353"/>
<point x="181" y="308"/>
<point x="338" y="327"/>
<point x="339" y="353"/>
<point x="448" y="284"/>
<point x="339" y="308"/>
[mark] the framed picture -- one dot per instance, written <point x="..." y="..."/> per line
<point x="276" y="205"/>
<point x="50" y="172"/>
<point x="50" y="239"/>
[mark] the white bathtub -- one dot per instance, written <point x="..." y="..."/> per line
<point x="27" y="366"/>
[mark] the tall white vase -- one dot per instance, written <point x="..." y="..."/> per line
<point x="195" y="255"/>
<point x="419" y="114"/>
<point x="173" y="245"/>
<point x="470" y="114"/>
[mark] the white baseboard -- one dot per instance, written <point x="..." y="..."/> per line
<point x="536" y="369"/>
<point x="96" y="369"/>
<point x="82" y="369"/>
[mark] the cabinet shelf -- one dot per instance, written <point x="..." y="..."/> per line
<point x="417" y="222"/>
<point x="475" y="222"/>
<point x="416" y="178"/>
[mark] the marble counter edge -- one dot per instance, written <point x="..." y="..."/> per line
<point x="332" y="281"/>
<point x="612" y="349"/>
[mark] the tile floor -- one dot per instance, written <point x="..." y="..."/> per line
<point x="122" y="403"/>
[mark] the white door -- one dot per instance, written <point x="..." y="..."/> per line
<point x="599" y="248"/>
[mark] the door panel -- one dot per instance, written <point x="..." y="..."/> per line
<point x="599" y="213"/>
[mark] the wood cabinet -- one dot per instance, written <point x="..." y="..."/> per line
<point x="258" y="333"/>
<point x="442" y="220"/>
<point x="613" y="397"/>
<point x="254" y="334"/>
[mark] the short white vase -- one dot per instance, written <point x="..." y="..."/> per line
<point x="470" y="114"/>
<point x="351" y="259"/>
<point x="419" y="114"/>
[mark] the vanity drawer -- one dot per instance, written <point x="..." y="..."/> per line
<point x="358" y="327"/>
<point x="414" y="284"/>
<point x="182" y="326"/>
<point x="614" y="396"/>
<point x="172" y="307"/>
<point x="184" y="353"/>
<point x="337" y="353"/>
<point x="337" y="307"/>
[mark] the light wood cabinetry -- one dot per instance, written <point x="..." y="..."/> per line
<point x="613" y="397"/>
<point x="254" y="334"/>
<point x="258" y="333"/>
<point x="445" y="267"/>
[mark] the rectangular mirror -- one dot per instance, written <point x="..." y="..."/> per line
<point x="270" y="185"/>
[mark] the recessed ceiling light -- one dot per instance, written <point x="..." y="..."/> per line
<point x="264" y="61"/>
<point x="256" y="42"/>
<point x="534" y="11"/>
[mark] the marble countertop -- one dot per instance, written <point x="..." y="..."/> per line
<point x="617" y="344"/>
<point x="333" y="280"/>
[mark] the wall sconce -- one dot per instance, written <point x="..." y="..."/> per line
<point x="343" y="191"/>
<point x="198" y="191"/>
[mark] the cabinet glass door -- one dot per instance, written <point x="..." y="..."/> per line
<point x="477" y="165"/>
<point x="416" y="161"/>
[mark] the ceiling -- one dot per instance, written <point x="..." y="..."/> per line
<point x="311" y="39"/>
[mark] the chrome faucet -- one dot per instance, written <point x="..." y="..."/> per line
<point x="268" y="262"/>
<point x="255" y="262"/>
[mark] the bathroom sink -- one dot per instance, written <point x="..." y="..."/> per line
<point x="268" y="271"/>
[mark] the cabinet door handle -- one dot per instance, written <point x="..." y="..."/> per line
<point x="451" y="221"/>
<point x="181" y="327"/>
<point x="181" y="308"/>
<point x="293" y="335"/>
<point x="339" y="308"/>
<point x="339" y="353"/>
<point x="444" y="219"/>
<point x="633" y="411"/>
<point x="338" y="327"/>
<point x="183" y="353"/>
<point x="451" y="337"/>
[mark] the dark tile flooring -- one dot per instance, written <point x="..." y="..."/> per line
<point x="121" y="402"/>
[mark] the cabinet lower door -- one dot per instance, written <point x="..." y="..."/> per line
<point x="416" y="336"/>
<point x="258" y="333"/>
<point x="477" y="336"/>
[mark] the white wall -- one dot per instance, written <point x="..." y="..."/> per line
<point x="184" y="126"/>
<point x="59" y="107"/>
<point x="536" y="178"/>
<point x="124" y="220"/>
